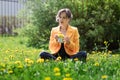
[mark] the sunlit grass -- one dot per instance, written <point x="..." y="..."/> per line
<point x="19" y="62"/>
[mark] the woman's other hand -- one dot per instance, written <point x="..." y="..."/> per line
<point x="67" y="40"/>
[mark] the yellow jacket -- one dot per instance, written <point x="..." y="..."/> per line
<point x="72" y="48"/>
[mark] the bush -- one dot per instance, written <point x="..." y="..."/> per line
<point x="97" y="20"/>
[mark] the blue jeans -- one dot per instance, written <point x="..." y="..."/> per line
<point x="82" y="55"/>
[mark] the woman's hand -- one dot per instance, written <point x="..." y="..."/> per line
<point x="67" y="40"/>
<point x="56" y="37"/>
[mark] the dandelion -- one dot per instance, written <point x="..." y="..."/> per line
<point x="2" y="69"/>
<point x="40" y="60"/>
<point x="2" y="65"/>
<point x="20" y="66"/>
<point x="105" y="54"/>
<point x="106" y="45"/>
<point x="58" y="58"/>
<point x="87" y="59"/>
<point x="96" y="64"/>
<point x="16" y="50"/>
<point x="57" y="74"/>
<point x="18" y="62"/>
<point x="47" y="60"/>
<point x="93" y="52"/>
<point x="29" y="61"/>
<point x="60" y="35"/>
<point x="105" y="42"/>
<point x="10" y="71"/>
<point x="47" y="78"/>
<point x="114" y="55"/>
<point x="109" y="52"/>
<point x="67" y="75"/>
<point x="67" y="79"/>
<point x="7" y="51"/>
<point x="56" y="69"/>
<point x="76" y="59"/>
<point x="104" y="76"/>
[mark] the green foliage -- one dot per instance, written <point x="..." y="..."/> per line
<point x="96" y="20"/>
<point x="19" y="62"/>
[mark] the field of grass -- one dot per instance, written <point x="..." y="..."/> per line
<point x="18" y="62"/>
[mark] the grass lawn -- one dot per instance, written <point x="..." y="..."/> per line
<point x="18" y="62"/>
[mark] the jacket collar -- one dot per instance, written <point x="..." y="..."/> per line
<point x="68" y="29"/>
<point x="68" y="32"/>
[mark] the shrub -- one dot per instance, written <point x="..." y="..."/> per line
<point x="96" y="20"/>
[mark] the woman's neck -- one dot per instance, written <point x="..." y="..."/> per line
<point x="63" y="28"/>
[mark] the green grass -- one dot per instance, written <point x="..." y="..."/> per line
<point x="18" y="62"/>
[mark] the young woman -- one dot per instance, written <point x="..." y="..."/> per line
<point x="64" y="39"/>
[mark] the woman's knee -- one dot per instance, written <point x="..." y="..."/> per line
<point x="42" y="54"/>
<point x="83" y="53"/>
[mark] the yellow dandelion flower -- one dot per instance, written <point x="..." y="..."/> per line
<point x="60" y="35"/>
<point x="105" y="42"/>
<point x="10" y="71"/>
<point x="7" y="51"/>
<point x="40" y="60"/>
<point x="67" y="75"/>
<point x="20" y="66"/>
<point x="18" y="62"/>
<point x="57" y="74"/>
<point x="87" y="59"/>
<point x="30" y="62"/>
<point x="3" y="65"/>
<point x="104" y="76"/>
<point x="67" y="79"/>
<point x="113" y="55"/>
<point x="16" y="50"/>
<point x="109" y="52"/>
<point x="47" y="78"/>
<point x="96" y="64"/>
<point x="76" y="59"/>
<point x="47" y="60"/>
<point x="27" y="59"/>
<point x="93" y="52"/>
<point x="58" y="58"/>
<point x="56" y="69"/>
<point x="2" y="69"/>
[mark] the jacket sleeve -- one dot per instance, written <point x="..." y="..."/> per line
<point x="53" y="44"/>
<point x="73" y="47"/>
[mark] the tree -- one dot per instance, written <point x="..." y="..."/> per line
<point x="94" y="19"/>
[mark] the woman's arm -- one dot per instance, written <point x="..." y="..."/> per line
<point x="72" y="46"/>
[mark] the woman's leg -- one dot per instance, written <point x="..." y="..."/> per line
<point x="82" y="55"/>
<point x="46" y="55"/>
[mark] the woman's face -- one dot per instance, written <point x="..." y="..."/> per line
<point x="63" y="19"/>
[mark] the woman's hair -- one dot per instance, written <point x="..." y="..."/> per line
<point x="67" y="11"/>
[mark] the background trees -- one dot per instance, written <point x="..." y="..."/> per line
<point x="97" y="21"/>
